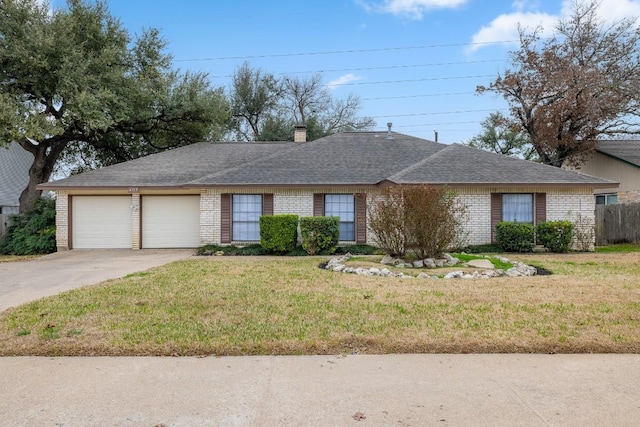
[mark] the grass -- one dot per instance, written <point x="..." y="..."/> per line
<point x="17" y="258"/>
<point x="238" y="306"/>
<point x="624" y="247"/>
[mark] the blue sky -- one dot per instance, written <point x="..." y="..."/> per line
<point x="415" y="63"/>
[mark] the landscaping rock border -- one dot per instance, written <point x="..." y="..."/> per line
<point x="519" y="269"/>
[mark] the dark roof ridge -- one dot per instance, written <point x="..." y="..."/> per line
<point x="510" y="158"/>
<point x="418" y="164"/>
<point x="294" y="146"/>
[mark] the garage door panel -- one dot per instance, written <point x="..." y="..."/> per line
<point x="170" y="221"/>
<point x="101" y="222"/>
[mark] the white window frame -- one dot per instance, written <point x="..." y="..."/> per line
<point x="518" y="207"/>
<point x="246" y="210"/>
<point x="344" y="207"/>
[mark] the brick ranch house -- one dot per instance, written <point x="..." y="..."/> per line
<point x="215" y="192"/>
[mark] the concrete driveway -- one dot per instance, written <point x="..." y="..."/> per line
<point x="21" y="282"/>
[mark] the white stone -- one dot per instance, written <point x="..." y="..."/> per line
<point x="418" y="264"/>
<point x="454" y="275"/>
<point x="429" y="263"/>
<point x="387" y="260"/>
<point x="480" y="263"/>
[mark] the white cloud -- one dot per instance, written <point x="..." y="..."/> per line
<point x="612" y="10"/>
<point x="505" y="27"/>
<point x="414" y="9"/>
<point x="342" y="80"/>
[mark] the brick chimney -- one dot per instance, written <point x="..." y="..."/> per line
<point x="300" y="133"/>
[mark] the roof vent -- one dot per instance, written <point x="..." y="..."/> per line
<point x="389" y="134"/>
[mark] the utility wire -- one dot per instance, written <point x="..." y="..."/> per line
<point x="436" y="113"/>
<point x="390" y="67"/>
<point x="417" y="96"/>
<point x="335" y="52"/>
<point x="410" y="80"/>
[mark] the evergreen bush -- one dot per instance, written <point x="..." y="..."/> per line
<point x="32" y="232"/>
<point x="515" y="236"/>
<point x="320" y="234"/>
<point x="278" y="233"/>
<point x="556" y="235"/>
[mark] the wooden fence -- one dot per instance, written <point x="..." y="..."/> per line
<point x="617" y="224"/>
<point x="4" y="220"/>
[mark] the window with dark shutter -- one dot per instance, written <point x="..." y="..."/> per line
<point x="496" y="213"/>
<point x="361" y="218"/>
<point x="318" y="204"/>
<point x="225" y="218"/>
<point x="541" y="207"/>
<point x="267" y="204"/>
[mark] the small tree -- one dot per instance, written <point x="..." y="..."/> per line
<point x="435" y="219"/>
<point x="426" y="219"/>
<point x="387" y="221"/>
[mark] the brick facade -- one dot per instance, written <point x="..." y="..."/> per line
<point x="628" y="196"/>
<point x="62" y="220"/>
<point x="560" y="204"/>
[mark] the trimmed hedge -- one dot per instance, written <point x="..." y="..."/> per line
<point x="278" y="233"/>
<point x="320" y="234"/>
<point x="515" y="236"/>
<point x="556" y="235"/>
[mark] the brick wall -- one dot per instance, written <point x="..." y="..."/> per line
<point x="561" y="204"/>
<point x="62" y="221"/>
<point x="628" y="196"/>
<point x="135" y="220"/>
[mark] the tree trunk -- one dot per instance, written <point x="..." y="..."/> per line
<point x="44" y="159"/>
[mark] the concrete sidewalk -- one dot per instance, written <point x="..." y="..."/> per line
<point x="389" y="390"/>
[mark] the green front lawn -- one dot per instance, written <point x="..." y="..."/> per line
<point x="257" y="305"/>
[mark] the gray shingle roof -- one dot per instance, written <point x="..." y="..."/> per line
<point x="175" y="167"/>
<point x="626" y="150"/>
<point x="350" y="158"/>
<point x="459" y="164"/>
<point x="14" y="173"/>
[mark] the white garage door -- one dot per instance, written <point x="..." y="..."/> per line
<point x="170" y="221"/>
<point x="101" y="222"/>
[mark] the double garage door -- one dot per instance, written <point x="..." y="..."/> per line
<point x="106" y="222"/>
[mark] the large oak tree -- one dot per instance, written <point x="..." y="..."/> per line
<point x="75" y="81"/>
<point x="580" y="84"/>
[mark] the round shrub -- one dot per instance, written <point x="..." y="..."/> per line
<point x="556" y="235"/>
<point x="515" y="236"/>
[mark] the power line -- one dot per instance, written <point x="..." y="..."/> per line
<point x="335" y="52"/>
<point x="410" y="80"/>
<point x="390" y="67"/>
<point x="435" y="113"/>
<point x="417" y="96"/>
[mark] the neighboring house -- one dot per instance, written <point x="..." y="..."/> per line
<point x="14" y="176"/>
<point x="215" y="192"/>
<point x="619" y="161"/>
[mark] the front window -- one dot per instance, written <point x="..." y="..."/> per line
<point x="606" y="199"/>
<point x="343" y="206"/>
<point x="517" y="208"/>
<point x="246" y="210"/>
